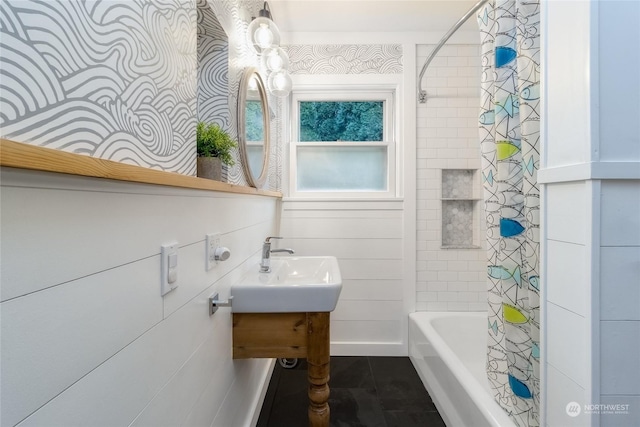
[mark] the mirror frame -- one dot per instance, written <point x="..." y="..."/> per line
<point x="253" y="181"/>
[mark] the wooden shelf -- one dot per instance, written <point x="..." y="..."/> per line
<point x="24" y="156"/>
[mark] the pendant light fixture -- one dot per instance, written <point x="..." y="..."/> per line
<point x="263" y="35"/>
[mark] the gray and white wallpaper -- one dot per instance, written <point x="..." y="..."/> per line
<point x="124" y="80"/>
<point x="109" y="79"/>
<point x="213" y="68"/>
<point x="345" y="59"/>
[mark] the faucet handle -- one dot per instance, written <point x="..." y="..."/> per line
<point x="272" y="237"/>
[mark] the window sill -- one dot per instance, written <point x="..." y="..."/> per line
<point x="25" y="156"/>
<point x="342" y="199"/>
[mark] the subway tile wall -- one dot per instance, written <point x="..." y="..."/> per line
<point x="447" y="138"/>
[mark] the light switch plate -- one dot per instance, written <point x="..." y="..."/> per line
<point x="168" y="268"/>
<point x="212" y="242"/>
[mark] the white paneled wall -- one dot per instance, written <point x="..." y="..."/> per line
<point x="568" y="300"/>
<point x="620" y="299"/>
<point x="367" y="239"/>
<point x="591" y="204"/>
<point x="447" y="138"/>
<point x="86" y="337"/>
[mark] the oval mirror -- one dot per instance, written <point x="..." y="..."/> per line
<point x="253" y="127"/>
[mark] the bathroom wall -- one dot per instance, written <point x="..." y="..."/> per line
<point x="391" y="250"/>
<point x="450" y="277"/>
<point x="120" y="87"/>
<point x="86" y="337"/>
<point x="591" y="199"/>
<point x="213" y="69"/>
<point x="366" y="235"/>
<point x="234" y="17"/>
<point x="124" y="86"/>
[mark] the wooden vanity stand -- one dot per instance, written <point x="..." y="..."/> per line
<point x="290" y="335"/>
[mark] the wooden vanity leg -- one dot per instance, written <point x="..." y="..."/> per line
<point x="318" y="361"/>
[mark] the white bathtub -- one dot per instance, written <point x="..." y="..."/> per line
<point x="449" y="352"/>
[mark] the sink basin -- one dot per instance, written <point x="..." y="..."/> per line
<point x="294" y="285"/>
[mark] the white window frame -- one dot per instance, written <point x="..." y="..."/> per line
<point x="390" y="138"/>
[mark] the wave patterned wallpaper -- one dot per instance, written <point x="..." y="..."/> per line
<point x="109" y="79"/>
<point x="345" y="59"/>
<point x="233" y="16"/>
<point x="213" y="68"/>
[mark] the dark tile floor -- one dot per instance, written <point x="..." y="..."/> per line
<point x="365" y="392"/>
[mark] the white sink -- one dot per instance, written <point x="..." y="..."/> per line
<point x="294" y="285"/>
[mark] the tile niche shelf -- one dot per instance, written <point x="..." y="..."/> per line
<point x="460" y="209"/>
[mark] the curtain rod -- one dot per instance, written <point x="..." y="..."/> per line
<point x="422" y="94"/>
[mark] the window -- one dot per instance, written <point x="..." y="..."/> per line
<point x="343" y="144"/>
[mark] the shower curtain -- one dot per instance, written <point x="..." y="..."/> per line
<point x="509" y="139"/>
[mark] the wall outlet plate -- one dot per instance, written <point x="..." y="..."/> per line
<point x="168" y="268"/>
<point x="212" y="241"/>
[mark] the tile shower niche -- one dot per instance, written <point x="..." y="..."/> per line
<point x="459" y="209"/>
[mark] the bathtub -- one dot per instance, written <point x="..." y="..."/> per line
<point x="449" y="352"/>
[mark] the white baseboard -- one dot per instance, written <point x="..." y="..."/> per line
<point x="259" y="398"/>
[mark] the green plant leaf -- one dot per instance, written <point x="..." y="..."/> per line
<point x="213" y="141"/>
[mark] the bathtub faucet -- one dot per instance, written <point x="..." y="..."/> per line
<point x="265" y="264"/>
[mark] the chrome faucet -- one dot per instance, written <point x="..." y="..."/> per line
<point x="265" y="264"/>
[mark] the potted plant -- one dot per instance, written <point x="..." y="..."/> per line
<point x="214" y="147"/>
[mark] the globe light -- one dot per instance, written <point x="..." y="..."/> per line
<point x="262" y="34"/>
<point x="274" y="59"/>
<point x="279" y="83"/>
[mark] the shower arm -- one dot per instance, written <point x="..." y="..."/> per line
<point x="422" y="94"/>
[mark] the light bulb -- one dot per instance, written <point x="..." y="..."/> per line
<point x="263" y="36"/>
<point x="280" y="83"/>
<point x="274" y="62"/>
<point x="275" y="59"/>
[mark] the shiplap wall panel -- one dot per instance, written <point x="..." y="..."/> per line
<point x="186" y="385"/>
<point x="149" y="218"/>
<point x="192" y="276"/>
<point x="64" y="332"/>
<point x="132" y="377"/>
<point x="190" y="381"/>
<point x="342" y="227"/>
<point x="371" y="268"/>
<point x="352" y="332"/>
<point x="371" y="290"/>
<point x="81" y="348"/>
<point x="368" y="310"/>
<point x="345" y="248"/>
<point x="367" y="238"/>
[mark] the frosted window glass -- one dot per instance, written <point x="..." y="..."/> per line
<point x="342" y="168"/>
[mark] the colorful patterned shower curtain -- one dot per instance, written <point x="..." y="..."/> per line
<point x="509" y="137"/>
